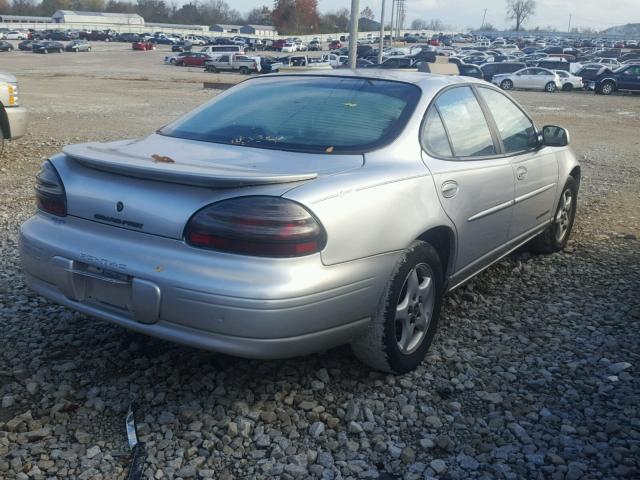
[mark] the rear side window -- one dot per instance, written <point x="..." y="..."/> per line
<point x="303" y="113"/>
<point x="464" y="120"/>
<point x="435" y="136"/>
<point x="516" y="130"/>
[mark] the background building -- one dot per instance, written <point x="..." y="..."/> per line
<point x="259" y="30"/>
<point x="95" y="18"/>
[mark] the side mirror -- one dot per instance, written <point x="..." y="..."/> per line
<point x="553" y="136"/>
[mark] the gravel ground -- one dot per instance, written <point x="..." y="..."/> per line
<point x="533" y="374"/>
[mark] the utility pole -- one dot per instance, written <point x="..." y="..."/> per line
<point x="353" y="33"/>
<point x="483" y="18"/>
<point x="393" y="8"/>
<point x="381" y="46"/>
<point x="569" y="29"/>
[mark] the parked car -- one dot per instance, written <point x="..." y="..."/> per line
<point x="143" y="46"/>
<point x="569" y="81"/>
<point x="26" y="45"/>
<point x="289" y="48"/>
<point x="268" y="65"/>
<point x="5" y="46"/>
<point x="554" y="64"/>
<point x="625" y="78"/>
<point x="233" y="63"/>
<point x="59" y="36"/>
<point x="491" y="69"/>
<point x="15" y="35"/>
<point x="194" y="40"/>
<point x="282" y="235"/>
<point x="100" y="35"/>
<point x="128" y="38"/>
<point x="182" y="46"/>
<point x="468" y="70"/>
<point x="46" y="46"/>
<point x="78" y="46"/>
<point x="335" y="45"/>
<point x="192" y="59"/>
<point x="314" y="46"/>
<point x="532" y="78"/>
<point x="171" y="59"/>
<point x="13" y="117"/>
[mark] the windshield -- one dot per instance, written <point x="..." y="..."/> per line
<point x="303" y="113"/>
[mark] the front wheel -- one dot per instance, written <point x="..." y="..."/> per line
<point x="506" y="85"/>
<point x="400" y="332"/>
<point x="550" y="87"/>
<point x="556" y="235"/>
<point x="607" y="88"/>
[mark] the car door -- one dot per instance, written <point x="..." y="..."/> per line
<point x="535" y="169"/>
<point x="475" y="183"/>
<point x="521" y="79"/>
<point x="629" y="79"/>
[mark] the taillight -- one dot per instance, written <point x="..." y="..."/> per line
<point x="50" y="194"/>
<point x="258" y="225"/>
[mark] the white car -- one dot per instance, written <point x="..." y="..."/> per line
<point x="534" y="78"/>
<point x="569" y="81"/>
<point x="301" y="47"/>
<point x="289" y="48"/>
<point x="15" y="35"/>
<point x="609" y="62"/>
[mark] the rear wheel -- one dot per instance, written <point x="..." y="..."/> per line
<point x="45" y="51"/>
<point x="567" y="87"/>
<point x="556" y="236"/>
<point x="244" y="71"/>
<point x="506" y="85"/>
<point x="550" y="87"/>
<point x="399" y="334"/>
<point x="1" y="141"/>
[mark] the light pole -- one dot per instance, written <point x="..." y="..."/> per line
<point x="381" y="34"/>
<point x="393" y="7"/>
<point x="353" y="33"/>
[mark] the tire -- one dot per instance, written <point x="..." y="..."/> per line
<point x="556" y="235"/>
<point x="45" y="51"/>
<point x="172" y="61"/>
<point x="1" y="141"/>
<point x="213" y="69"/>
<point x="385" y="346"/>
<point x="607" y="88"/>
<point x="76" y="50"/>
<point x="506" y="85"/>
<point x="244" y="71"/>
<point x="567" y="87"/>
<point x="88" y="49"/>
<point x="550" y="87"/>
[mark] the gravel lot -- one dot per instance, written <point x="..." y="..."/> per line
<point x="534" y="372"/>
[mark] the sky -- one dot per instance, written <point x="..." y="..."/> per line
<point x="462" y="14"/>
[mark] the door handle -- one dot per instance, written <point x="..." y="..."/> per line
<point x="521" y="173"/>
<point x="449" y="189"/>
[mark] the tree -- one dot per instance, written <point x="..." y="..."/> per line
<point x="367" y="13"/>
<point x="419" y="24"/>
<point x="296" y="16"/>
<point x="488" y="27"/>
<point x="4" y="7"/>
<point x="436" y="25"/>
<point x="520" y="11"/>
<point x="259" y="16"/>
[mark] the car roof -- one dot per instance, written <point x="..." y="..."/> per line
<point x="428" y="82"/>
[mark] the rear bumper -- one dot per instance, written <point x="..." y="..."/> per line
<point x="244" y="306"/>
<point x="17" y="118"/>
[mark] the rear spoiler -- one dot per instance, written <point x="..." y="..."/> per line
<point x="105" y="158"/>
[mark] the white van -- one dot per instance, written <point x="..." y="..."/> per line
<point x="223" y="49"/>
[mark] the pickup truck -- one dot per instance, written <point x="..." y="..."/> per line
<point x="13" y="118"/>
<point x="232" y="63"/>
<point x="626" y="78"/>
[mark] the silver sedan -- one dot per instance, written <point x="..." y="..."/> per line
<point x="533" y="78"/>
<point x="294" y="213"/>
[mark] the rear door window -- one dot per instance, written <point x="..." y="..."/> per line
<point x="464" y="120"/>
<point x="516" y="130"/>
<point x="434" y="136"/>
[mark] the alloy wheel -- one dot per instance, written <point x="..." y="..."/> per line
<point x="415" y="308"/>
<point x="563" y="217"/>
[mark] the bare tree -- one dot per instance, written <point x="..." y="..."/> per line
<point x="520" y="11"/>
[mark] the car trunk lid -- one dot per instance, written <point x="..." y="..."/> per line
<point x="156" y="184"/>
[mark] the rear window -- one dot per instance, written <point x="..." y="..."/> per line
<point x="306" y="114"/>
